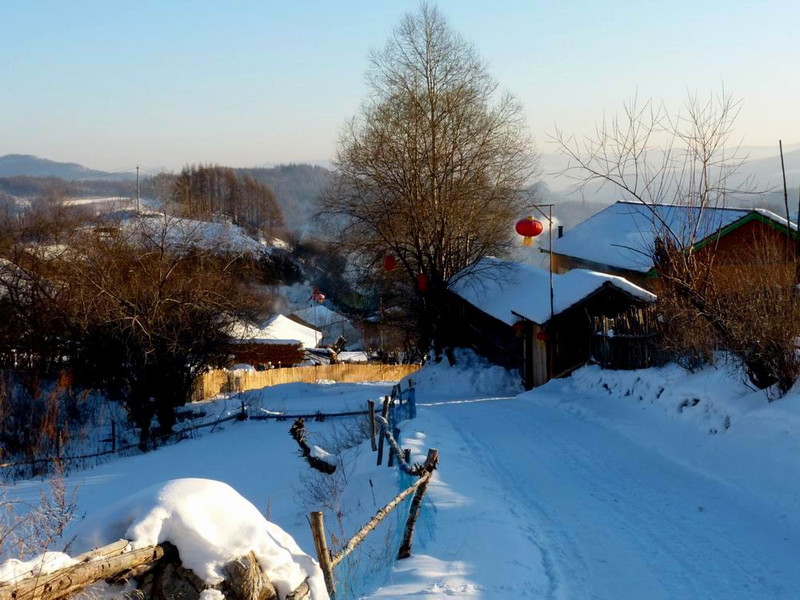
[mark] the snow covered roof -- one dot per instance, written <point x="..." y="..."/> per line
<point x="623" y="235"/>
<point x="182" y="232"/>
<point x="320" y="316"/>
<point x="278" y="329"/>
<point x="508" y="290"/>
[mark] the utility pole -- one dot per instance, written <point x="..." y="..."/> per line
<point x="138" y="210"/>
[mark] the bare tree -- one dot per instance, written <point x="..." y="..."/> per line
<point x="432" y="169"/>
<point x="150" y="310"/>
<point x="657" y="158"/>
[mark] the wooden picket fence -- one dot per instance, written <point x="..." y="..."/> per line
<point x="219" y="381"/>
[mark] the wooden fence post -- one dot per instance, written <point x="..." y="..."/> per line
<point x="384" y="414"/>
<point x="323" y="554"/>
<point x="408" y="534"/>
<point x="371" y="406"/>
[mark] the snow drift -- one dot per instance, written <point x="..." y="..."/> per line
<point x="472" y="376"/>
<point x="211" y="525"/>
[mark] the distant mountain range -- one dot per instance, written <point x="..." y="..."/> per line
<point x="13" y="165"/>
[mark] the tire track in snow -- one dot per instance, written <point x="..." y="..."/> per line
<point x="616" y="520"/>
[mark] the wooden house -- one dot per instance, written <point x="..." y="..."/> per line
<point x="621" y="238"/>
<point x="505" y="314"/>
<point x="280" y="342"/>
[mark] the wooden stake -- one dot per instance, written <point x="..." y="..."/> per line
<point x="371" y="406"/>
<point x="408" y="534"/>
<point x="323" y="554"/>
<point x="384" y="413"/>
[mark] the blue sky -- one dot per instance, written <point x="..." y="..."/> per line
<point x="112" y="84"/>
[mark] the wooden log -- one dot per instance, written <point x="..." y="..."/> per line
<point x="379" y="516"/>
<point x="407" y="455"/>
<point x="113" y="549"/>
<point x="373" y="431"/>
<point x="323" y="554"/>
<point x="384" y="414"/>
<point x="301" y="593"/>
<point x="247" y="581"/>
<point x="408" y="533"/>
<point x="69" y="580"/>
<point x="298" y="432"/>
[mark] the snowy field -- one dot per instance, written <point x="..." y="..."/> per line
<point x="618" y="485"/>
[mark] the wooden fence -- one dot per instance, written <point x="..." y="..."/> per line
<point x="220" y="381"/>
<point x="400" y="405"/>
<point x="627" y="340"/>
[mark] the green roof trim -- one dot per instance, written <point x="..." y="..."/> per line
<point x="748" y="218"/>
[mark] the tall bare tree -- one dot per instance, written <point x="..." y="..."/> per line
<point x="432" y="169"/>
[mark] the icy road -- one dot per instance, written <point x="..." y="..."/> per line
<point x="568" y="493"/>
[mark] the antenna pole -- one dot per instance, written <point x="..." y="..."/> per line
<point x="137" y="189"/>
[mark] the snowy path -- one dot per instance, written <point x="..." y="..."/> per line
<point x="555" y="505"/>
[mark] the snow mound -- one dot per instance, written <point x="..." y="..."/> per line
<point x="14" y="570"/>
<point x="323" y="455"/>
<point x="211" y="525"/>
<point x="472" y="376"/>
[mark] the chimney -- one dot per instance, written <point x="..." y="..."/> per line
<point x="560" y="231"/>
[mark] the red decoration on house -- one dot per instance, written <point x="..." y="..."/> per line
<point x="317" y="296"/>
<point x="389" y="262"/>
<point x="518" y="327"/>
<point x="422" y="282"/>
<point x="529" y="228"/>
<point x="542" y="336"/>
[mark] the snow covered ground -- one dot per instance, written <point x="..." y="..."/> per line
<point x="618" y="485"/>
<point x="611" y="485"/>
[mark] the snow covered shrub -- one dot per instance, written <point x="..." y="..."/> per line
<point x="27" y="530"/>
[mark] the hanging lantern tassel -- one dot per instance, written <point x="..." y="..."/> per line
<point x="528" y="228"/>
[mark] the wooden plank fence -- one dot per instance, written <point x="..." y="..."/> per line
<point x="220" y="381"/>
<point x="627" y="340"/>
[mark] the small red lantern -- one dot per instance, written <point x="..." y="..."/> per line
<point x="529" y="228"/>
<point x="519" y="326"/>
<point x="422" y="282"/>
<point x="389" y="262"/>
<point x="317" y="296"/>
<point x="542" y="336"/>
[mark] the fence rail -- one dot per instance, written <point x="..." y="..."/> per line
<point x="220" y="381"/>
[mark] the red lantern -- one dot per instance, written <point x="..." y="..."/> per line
<point x="519" y="326"/>
<point x="389" y="262"/>
<point x="542" y="336"/>
<point x="422" y="282"/>
<point x="317" y="296"/>
<point x="529" y="228"/>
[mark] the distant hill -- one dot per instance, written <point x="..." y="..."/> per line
<point x="297" y="188"/>
<point x="14" y="165"/>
